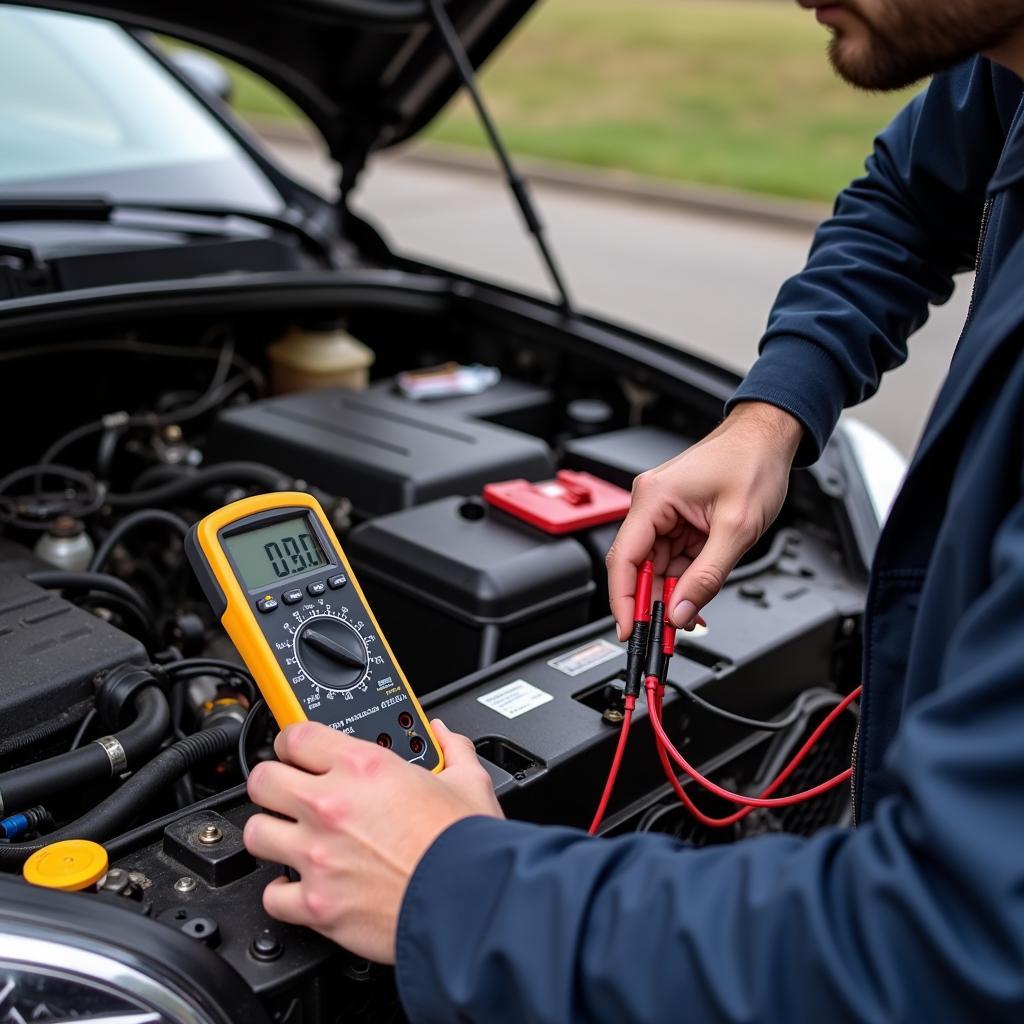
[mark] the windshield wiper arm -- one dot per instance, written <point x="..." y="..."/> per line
<point x="102" y="209"/>
<point x="15" y="208"/>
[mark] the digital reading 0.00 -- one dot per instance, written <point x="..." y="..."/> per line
<point x="272" y="553"/>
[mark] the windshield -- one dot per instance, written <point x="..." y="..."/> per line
<point x="84" y="108"/>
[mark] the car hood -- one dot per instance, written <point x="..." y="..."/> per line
<point x="368" y="73"/>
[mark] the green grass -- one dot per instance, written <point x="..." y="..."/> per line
<point x="735" y="93"/>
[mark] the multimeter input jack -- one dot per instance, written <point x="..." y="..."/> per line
<point x="416" y="745"/>
<point x="405" y="720"/>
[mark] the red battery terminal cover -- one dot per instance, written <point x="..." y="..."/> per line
<point x="572" y="501"/>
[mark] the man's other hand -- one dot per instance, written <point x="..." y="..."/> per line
<point x="697" y="514"/>
<point x="356" y="820"/>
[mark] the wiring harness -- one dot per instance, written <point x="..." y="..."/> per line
<point x="651" y="646"/>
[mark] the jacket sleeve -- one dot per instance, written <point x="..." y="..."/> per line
<point x="896" y="238"/>
<point x="918" y="915"/>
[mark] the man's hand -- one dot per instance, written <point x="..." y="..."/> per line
<point x="698" y="513"/>
<point x="358" y="820"/>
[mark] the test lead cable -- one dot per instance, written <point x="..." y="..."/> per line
<point x="636" y="652"/>
<point x="748" y="803"/>
<point x="613" y="771"/>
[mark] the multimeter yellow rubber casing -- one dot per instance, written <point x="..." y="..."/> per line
<point x="276" y="576"/>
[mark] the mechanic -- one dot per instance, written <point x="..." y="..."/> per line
<point x="918" y="913"/>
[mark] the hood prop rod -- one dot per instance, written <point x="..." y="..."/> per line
<point x="516" y="183"/>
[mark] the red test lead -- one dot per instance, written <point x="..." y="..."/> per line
<point x="636" y="652"/>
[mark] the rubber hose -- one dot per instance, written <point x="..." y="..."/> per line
<point x="103" y="821"/>
<point x="32" y="783"/>
<point x="101" y="583"/>
<point x="221" y="473"/>
<point x="132" y="522"/>
<point x="60" y="579"/>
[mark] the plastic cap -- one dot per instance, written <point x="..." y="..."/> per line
<point x="68" y="866"/>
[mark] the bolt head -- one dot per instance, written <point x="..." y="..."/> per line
<point x="185" y="884"/>
<point x="117" y="881"/>
<point x="210" y="834"/>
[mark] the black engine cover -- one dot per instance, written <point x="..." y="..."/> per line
<point x="50" y="651"/>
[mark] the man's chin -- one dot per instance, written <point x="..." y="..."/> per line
<point x="863" y="65"/>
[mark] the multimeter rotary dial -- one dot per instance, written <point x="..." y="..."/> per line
<point x="331" y="652"/>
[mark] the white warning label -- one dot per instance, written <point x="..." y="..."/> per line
<point x="515" y="698"/>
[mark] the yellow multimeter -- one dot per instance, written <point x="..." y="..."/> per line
<point x="278" y="580"/>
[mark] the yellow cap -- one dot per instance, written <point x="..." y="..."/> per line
<point x="68" y="866"/>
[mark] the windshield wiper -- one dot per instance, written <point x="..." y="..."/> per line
<point x="103" y="209"/>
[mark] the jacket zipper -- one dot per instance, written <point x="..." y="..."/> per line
<point x="986" y="216"/>
<point x="853" y="776"/>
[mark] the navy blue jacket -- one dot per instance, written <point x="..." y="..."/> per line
<point x="918" y="913"/>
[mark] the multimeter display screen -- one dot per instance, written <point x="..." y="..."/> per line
<point x="271" y="554"/>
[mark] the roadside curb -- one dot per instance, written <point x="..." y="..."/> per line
<point x="794" y="214"/>
<point x="623" y="185"/>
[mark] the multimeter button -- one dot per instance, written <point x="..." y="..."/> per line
<point x="416" y="745"/>
<point x="291" y="596"/>
<point x="316" y="589"/>
<point x="337" y="582"/>
<point x="266" y="604"/>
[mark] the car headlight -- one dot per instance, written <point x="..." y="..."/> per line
<point x="881" y="465"/>
<point x="75" y="957"/>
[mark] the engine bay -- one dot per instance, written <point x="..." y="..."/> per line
<point x="118" y="442"/>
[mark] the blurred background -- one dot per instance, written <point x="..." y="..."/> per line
<point x="681" y="151"/>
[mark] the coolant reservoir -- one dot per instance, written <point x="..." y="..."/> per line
<point x="321" y="356"/>
<point x="66" y="545"/>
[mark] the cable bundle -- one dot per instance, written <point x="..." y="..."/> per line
<point x="654" y="630"/>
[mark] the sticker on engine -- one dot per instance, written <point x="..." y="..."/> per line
<point x="515" y="699"/>
<point x="589" y="656"/>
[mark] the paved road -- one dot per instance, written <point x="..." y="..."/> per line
<point x="704" y="283"/>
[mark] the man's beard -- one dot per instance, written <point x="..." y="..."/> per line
<point x="916" y="38"/>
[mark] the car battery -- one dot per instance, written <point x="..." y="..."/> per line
<point x="516" y="404"/>
<point x="382" y="453"/>
<point x="619" y="456"/>
<point x="457" y="585"/>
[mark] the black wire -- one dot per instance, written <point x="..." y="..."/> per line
<point x="36" y="510"/>
<point x="255" y="712"/>
<point x="117" y="421"/>
<point x="56" y="579"/>
<point x="774" y="725"/>
<point x="189" y="668"/>
<point x="83" y="728"/>
<point x="129" y="523"/>
<point x="130" y="347"/>
<point x="217" y="392"/>
<point x="178" y="707"/>
<point x="132" y="620"/>
<point x="208" y="476"/>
